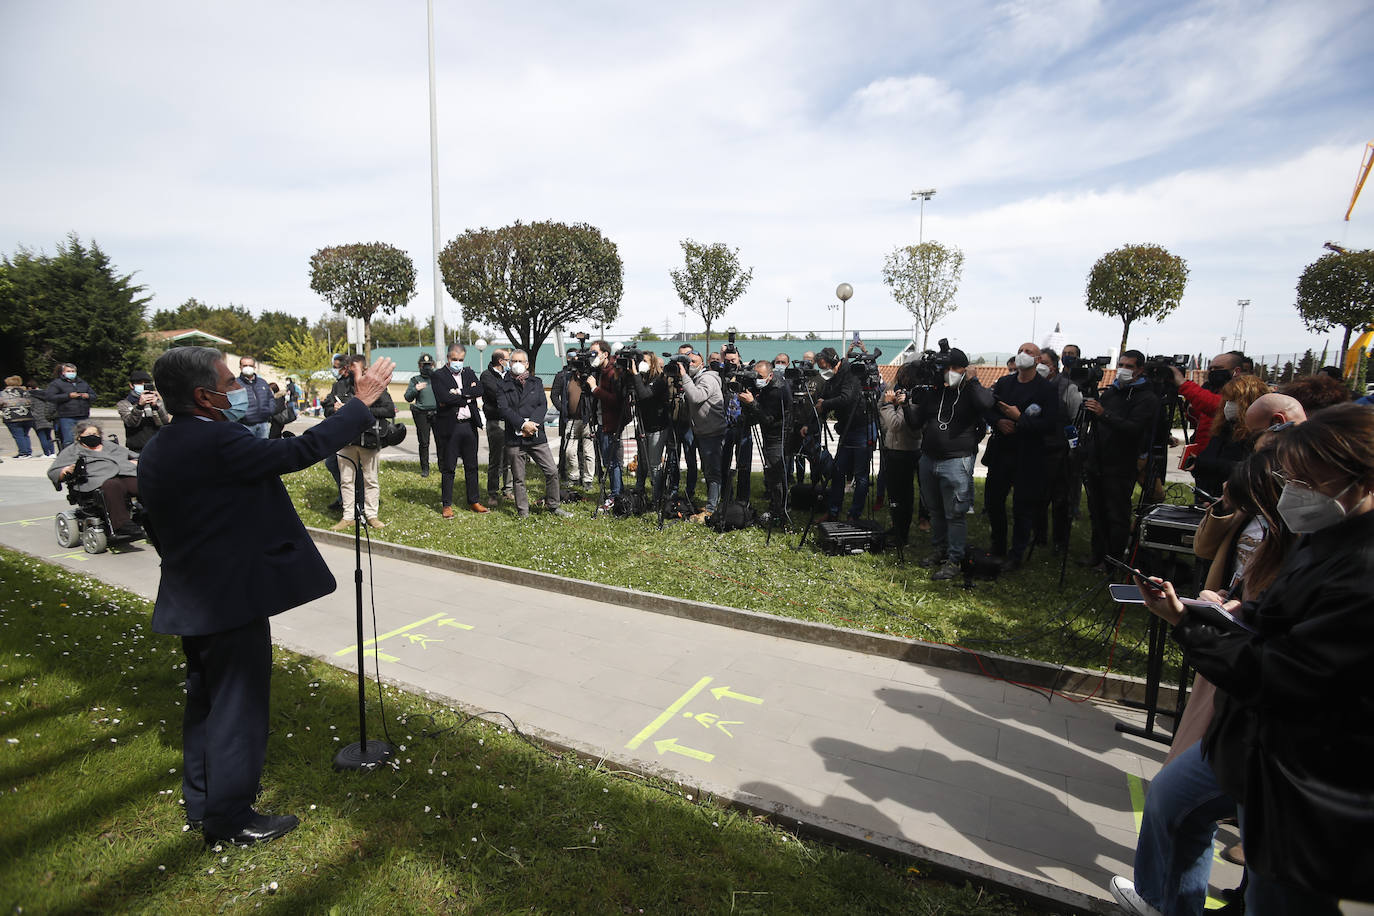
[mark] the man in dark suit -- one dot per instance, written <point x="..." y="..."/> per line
<point x="241" y="558"/>
<point x="456" y="422"/>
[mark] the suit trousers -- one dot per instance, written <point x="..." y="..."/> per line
<point x="224" y="728"/>
<point x="738" y="449"/>
<point x="367" y="462"/>
<point x="498" y="463"/>
<point x="457" y="439"/>
<point x="542" y="455"/>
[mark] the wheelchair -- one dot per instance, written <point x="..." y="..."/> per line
<point x="88" y="521"/>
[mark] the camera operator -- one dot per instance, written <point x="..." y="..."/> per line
<point x="498" y="468"/>
<point x="331" y="461"/>
<point x="605" y="384"/>
<point x="1027" y="408"/>
<point x="422" y="406"/>
<point x="682" y="432"/>
<point x="706" y="407"/>
<point x="805" y="385"/>
<point x="1061" y="467"/>
<point x="1121" y="429"/>
<point x="843" y="397"/>
<point x="902" y="452"/>
<point x="522" y="406"/>
<point x="739" y="440"/>
<point x="765" y="407"/>
<point x="142" y="411"/>
<point x="575" y="411"/>
<point x="950" y="415"/>
<point x="1070" y="356"/>
<point x="651" y="405"/>
<point x="357" y="459"/>
<point x="1205" y="400"/>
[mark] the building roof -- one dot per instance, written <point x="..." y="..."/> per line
<point x="186" y="335"/>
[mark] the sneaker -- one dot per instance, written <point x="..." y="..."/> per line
<point x="609" y="504"/>
<point x="946" y="571"/>
<point x="1125" y="893"/>
<point x="22" y="457"/>
<point x="562" y="513"/>
<point x="934" y="559"/>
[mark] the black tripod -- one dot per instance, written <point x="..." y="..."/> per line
<point x="828" y="479"/>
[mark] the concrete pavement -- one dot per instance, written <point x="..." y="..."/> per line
<point x="969" y="773"/>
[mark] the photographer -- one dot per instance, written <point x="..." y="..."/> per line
<point x="806" y="388"/>
<point x="1121" y="428"/>
<point x="765" y="407"/>
<point x="949" y="413"/>
<point x="142" y="411"/>
<point x="651" y="405"/>
<point x="356" y="457"/>
<point x="1061" y="467"/>
<point x="902" y="452"/>
<point x="706" y="410"/>
<point x="605" y="385"/>
<point x="843" y="397"/>
<point x="575" y="411"/>
<point x="1205" y="400"/>
<point x="522" y="405"/>
<point x="682" y="433"/>
<point x="498" y="470"/>
<point x="739" y="440"/>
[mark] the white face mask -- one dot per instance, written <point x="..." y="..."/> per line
<point x="1042" y="370"/>
<point x="827" y="373"/>
<point x="1024" y="361"/>
<point x="249" y="371"/>
<point x="1124" y="376"/>
<point x="517" y="368"/>
<point x="1230" y="410"/>
<point x="1304" y="510"/>
<point x="643" y="367"/>
<point x="599" y="360"/>
<point x="781" y="367"/>
<point x="760" y="383"/>
<point x="954" y="379"/>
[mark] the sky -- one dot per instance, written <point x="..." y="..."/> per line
<point x="210" y="149"/>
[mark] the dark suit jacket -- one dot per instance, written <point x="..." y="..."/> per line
<point x="453" y="392"/>
<point x="233" y="548"/>
<point x="521" y="401"/>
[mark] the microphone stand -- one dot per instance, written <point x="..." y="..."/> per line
<point x="361" y="754"/>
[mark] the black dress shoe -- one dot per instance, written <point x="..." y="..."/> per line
<point x="335" y="506"/>
<point x="1011" y="564"/>
<point x="261" y="828"/>
<point x="194" y="823"/>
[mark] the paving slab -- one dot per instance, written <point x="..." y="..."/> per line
<point x="996" y="782"/>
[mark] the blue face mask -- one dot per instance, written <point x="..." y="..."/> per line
<point x="238" y="405"/>
<point x="69" y="376"/>
<point x="138" y="389"/>
<point x="456" y="365"/>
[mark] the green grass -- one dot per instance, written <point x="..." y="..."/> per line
<point x="472" y="819"/>
<point x="1026" y="614"/>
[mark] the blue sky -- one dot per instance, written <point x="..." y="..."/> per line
<point x="213" y="148"/>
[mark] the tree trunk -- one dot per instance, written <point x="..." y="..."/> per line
<point x="1345" y="348"/>
<point x="367" y="339"/>
<point x="925" y="337"/>
<point x="1125" y="333"/>
<point x="707" y="352"/>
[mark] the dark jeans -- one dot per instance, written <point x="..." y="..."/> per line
<point x="331" y="464"/>
<point x="1109" y="507"/>
<point x="608" y="447"/>
<point x="850" y="461"/>
<point x="66" y="429"/>
<point x="774" y="475"/>
<point x="687" y="449"/>
<point x="498" y="463"/>
<point x="224" y="728"/>
<point x="457" y="439"/>
<point x="19" y="429"/>
<point x="44" y="435"/>
<point x="1021" y="472"/>
<point x="901" y="487"/>
<point x="424" y="419"/>
<point x="738" y="449"/>
<point x="710" y="447"/>
<point x="1055" y="508"/>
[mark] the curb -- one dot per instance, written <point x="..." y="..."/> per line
<point x="1117" y="688"/>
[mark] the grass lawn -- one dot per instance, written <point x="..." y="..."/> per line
<point x="1025" y="614"/>
<point x="472" y="819"/>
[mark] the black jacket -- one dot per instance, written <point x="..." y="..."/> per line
<point x="1124" y="430"/>
<point x="453" y="393"/>
<point x="767" y="411"/>
<point x="1222" y="453"/>
<point x="382" y="409"/>
<point x="519" y="402"/>
<point x="58" y="394"/>
<point x="1033" y="424"/>
<point x="558" y="392"/>
<point x="651" y="401"/>
<point x="842" y="397"/>
<point x="1298" y="694"/>
<point x="951" y="420"/>
<point x="493" y="383"/>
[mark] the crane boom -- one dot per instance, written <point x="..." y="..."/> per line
<point x="1360" y="177"/>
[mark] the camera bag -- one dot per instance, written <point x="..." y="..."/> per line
<point x="679" y="507"/>
<point x="629" y="503"/>
<point x="732" y="516"/>
<point x="837" y="538"/>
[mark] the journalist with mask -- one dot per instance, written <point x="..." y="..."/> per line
<point x="842" y="396"/>
<point x="240" y="558"/>
<point x="359" y="460"/>
<point x="763" y="403"/>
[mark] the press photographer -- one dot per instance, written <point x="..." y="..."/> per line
<point x="574" y="418"/>
<point x="738" y="448"/>
<point x="948" y="408"/>
<point x="764" y="406"/>
<point x="682" y="436"/>
<point x="605" y="385"/>
<point x="805" y="382"/>
<point x="652" y="421"/>
<point x="705" y="403"/>
<point x="1120" y="429"/>
<point x="842" y="397"/>
<point x="901" y="450"/>
<point x="142" y="411"/>
<point x="1061" y="463"/>
<point x="1204" y="400"/>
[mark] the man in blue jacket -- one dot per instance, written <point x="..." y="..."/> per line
<point x="240" y="558"/>
<point x="258" y="419"/>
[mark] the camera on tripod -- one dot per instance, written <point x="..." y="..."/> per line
<point x="1160" y="370"/>
<point x="866" y="364"/>
<point x="1086" y="374"/>
<point x="674" y="364"/>
<point x="580" y="360"/>
<point x="741" y="380"/>
<point x="930" y="370"/>
<point x="802" y="368"/>
<point x="628" y="357"/>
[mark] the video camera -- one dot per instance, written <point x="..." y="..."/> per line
<point x="580" y="360"/>
<point x="931" y="367"/>
<point x="741" y="380"/>
<point x="627" y="358"/>
<point x="1160" y="370"/>
<point x="867" y="365"/>
<point x="674" y="364"/>
<point x="1086" y="374"/>
<point x="802" y="368"/>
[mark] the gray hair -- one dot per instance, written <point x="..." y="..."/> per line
<point x="457" y="348"/>
<point x="90" y="424"/>
<point x="181" y="370"/>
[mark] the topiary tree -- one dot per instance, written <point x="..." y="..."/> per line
<point x="363" y="279"/>
<point x="1337" y="290"/>
<point x="1136" y="283"/>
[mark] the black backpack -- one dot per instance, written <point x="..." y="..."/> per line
<point x="803" y="496"/>
<point x="732" y="516"/>
<point x="679" y="506"/>
<point x="629" y="503"/>
<point x="979" y="564"/>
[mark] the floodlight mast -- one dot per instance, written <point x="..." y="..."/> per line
<point x="922" y="196"/>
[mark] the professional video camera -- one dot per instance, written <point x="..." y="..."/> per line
<point x="802" y="368"/>
<point x="627" y="358"/>
<point x="580" y="360"/>
<point x="866" y="364"/>
<point x="741" y="380"/>
<point x="1086" y="374"/>
<point x="674" y="364"/>
<point x="931" y="367"/>
<point x="1160" y="370"/>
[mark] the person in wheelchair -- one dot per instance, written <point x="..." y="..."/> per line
<point x="110" y="468"/>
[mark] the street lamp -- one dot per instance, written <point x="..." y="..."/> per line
<point x="843" y="292"/>
<point x="481" y="345"/>
<point x="922" y="196"/>
<point x="1035" y="311"/>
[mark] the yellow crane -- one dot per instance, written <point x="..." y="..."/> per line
<point x="1360" y="177"/>
<point x="1361" y="343"/>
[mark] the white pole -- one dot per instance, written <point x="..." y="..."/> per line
<point x="434" y="195"/>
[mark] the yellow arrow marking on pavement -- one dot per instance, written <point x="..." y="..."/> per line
<point x="80" y="555"/>
<point x="721" y="693"/>
<point x="668" y="713"/>
<point x="396" y="632"/>
<point x="670" y="746"/>
<point x="450" y="622"/>
<point x="26" y="522"/>
<point x="378" y="654"/>
<point x="423" y="640"/>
